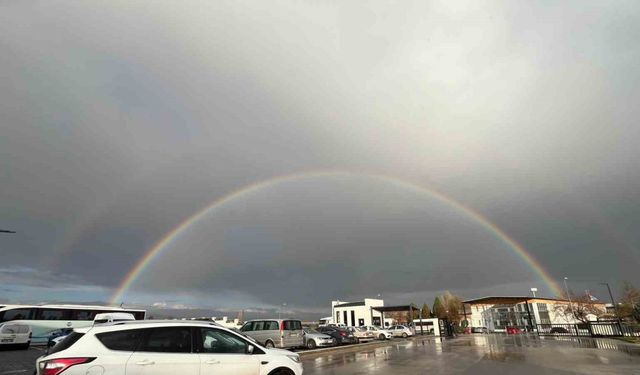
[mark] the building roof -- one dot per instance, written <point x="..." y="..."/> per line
<point x="508" y="299"/>
<point x="396" y="308"/>
<point x="350" y="304"/>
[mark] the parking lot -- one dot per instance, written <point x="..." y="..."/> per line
<point x="19" y="361"/>
<point x="482" y="354"/>
<point x="470" y="354"/>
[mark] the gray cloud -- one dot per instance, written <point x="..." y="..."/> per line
<point x="120" y="120"/>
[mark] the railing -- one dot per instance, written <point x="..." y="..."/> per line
<point x="591" y="329"/>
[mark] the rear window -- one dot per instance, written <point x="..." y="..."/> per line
<point x="292" y="325"/>
<point x="121" y="340"/>
<point x="67" y="342"/>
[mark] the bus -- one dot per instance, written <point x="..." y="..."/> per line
<point x="45" y="320"/>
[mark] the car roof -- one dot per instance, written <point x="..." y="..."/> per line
<point x="131" y="324"/>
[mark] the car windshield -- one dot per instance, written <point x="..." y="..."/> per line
<point x="310" y="330"/>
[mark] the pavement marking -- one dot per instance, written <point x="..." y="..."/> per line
<point x="13" y="372"/>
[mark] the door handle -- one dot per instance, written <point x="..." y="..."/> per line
<point x="146" y="362"/>
<point x="212" y="362"/>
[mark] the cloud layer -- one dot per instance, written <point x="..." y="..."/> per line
<point x="120" y="120"/>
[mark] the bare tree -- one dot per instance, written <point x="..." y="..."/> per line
<point x="630" y="302"/>
<point x="578" y="307"/>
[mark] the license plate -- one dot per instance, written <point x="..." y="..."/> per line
<point x="6" y="340"/>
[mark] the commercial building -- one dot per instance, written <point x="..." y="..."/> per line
<point x="499" y="312"/>
<point x="357" y="314"/>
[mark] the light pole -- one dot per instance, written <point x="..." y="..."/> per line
<point x="615" y="307"/>
<point x="569" y="297"/>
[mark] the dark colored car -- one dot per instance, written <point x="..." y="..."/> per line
<point x="341" y="335"/>
<point x="479" y="330"/>
<point x="558" y="330"/>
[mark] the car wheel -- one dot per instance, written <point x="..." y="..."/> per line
<point x="381" y="337"/>
<point x="404" y="335"/>
<point x="282" y="371"/>
<point x="311" y="344"/>
<point x="269" y="344"/>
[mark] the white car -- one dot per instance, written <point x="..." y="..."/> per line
<point x="15" y="334"/>
<point x="164" y="348"/>
<point x="379" y="333"/>
<point x="400" y="331"/>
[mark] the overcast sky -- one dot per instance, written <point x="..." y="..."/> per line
<point x="121" y="119"/>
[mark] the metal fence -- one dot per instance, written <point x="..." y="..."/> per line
<point x="592" y="329"/>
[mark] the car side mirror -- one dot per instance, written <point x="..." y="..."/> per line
<point x="250" y="349"/>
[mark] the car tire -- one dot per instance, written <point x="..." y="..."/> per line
<point x="404" y="335"/>
<point x="381" y="337"/>
<point x="282" y="371"/>
<point x="26" y="346"/>
<point x="269" y="344"/>
<point x="311" y="344"/>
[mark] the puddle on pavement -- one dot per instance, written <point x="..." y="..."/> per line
<point x="503" y="356"/>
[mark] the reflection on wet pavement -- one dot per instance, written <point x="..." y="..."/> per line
<point x="477" y="354"/>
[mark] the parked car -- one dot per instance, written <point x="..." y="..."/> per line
<point x="400" y="331"/>
<point x="275" y="333"/>
<point x="558" y="330"/>
<point x="313" y="339"/>
<point x="13" y="333"/>
<point x="362" y="334"/>
<point x="164" y="348"/>
<point x="379" y="333"/>
<point x="513" y="331"/>
<point x="342" y="335"/>
<point x="58" y="335"/>
<point x="479" y="330"/>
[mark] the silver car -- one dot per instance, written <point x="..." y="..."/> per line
<point x="314" y="339"/>
<point x="275" y="333"/>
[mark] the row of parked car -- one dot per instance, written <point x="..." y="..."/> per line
<point x="290" y="334"/>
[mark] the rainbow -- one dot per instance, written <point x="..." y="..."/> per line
<point x="175" y="233"/>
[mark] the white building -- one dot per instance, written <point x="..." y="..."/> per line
<point x="357" y="314"/>
<point x="498" y="313"/>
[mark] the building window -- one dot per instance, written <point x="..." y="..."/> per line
<point x="344" y="315"/>
<point x="353" y="318"/>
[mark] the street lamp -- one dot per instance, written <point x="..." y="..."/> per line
<point x="568" y="296"/>
<point x="615" y="307"/>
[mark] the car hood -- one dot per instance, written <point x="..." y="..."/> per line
<point x="280" y="352"/>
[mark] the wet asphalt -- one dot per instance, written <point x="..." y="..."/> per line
<point x="483" y="354"/>
<point x="471" y="354"/>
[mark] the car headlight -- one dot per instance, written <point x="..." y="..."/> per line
<point x="295" y="358"/>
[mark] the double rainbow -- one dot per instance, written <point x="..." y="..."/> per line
<point x="175" y="233"/>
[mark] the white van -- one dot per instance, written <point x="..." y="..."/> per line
<point x="15" y="334"/>
<point x="112" y="317"/>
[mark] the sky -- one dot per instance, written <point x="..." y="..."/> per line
<point x="120" y="120"/>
